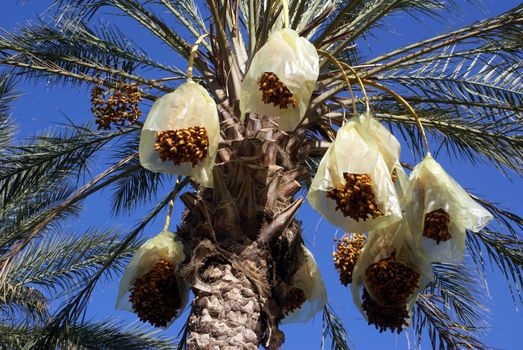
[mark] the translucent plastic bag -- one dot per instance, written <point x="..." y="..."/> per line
<point x="385" y="248"/>
<point x="294" y="61"/>
<point x="189" y="106"/>
<point x="309" y="280"/>
<point x="164" y="247"/>
<point x="387" y="143"/>
<point x="401" y="183"/>
<point x="355" y="152"/>
<point x="440" y="211"/>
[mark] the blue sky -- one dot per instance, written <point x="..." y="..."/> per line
<point x="44" y="104"/>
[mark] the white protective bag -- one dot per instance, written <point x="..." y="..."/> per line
<point x="387" y="143"/>
<point x="431" y="188"/>
<point x="401" y="183"/>
<point x="380" y="245"/>
<point x="163" y="246"/>
<point x="188" y="106"/>
<point x="295" y="62"/>
<point x="309" y="280"/>
<point x="355" y="151"/>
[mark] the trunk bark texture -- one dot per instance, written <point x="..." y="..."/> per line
<point x="243" y="240"/>
<point x="228" y="316"/>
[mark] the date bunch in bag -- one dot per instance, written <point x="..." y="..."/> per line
<point x="281" y="78"/>
<point x="388" y="276"/>
<point x="440" y="212"/>
<point x="353" y="187"/>
<point x="181" y="134"/>
<point x="305" y="294"/>
<point x="149" y="286"/>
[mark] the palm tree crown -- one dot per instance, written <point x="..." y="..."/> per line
<point x="459" y="92"/>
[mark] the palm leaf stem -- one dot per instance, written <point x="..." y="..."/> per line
<point x="438" y="42"/>
<point x="68" y="74"/>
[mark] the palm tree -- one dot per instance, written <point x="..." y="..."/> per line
<point x="242" y="241"/>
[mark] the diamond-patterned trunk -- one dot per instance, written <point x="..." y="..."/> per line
<point x="229" y="315"/>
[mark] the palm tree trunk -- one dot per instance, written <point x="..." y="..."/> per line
<point x="228" y="316"/>
<point x="243" y="239"/>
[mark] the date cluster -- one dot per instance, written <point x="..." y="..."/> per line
<point x="154" y="295"/>
<point x="183" y="145"/>
<point x="274" y="91"/>
<point x="355" y="198"/>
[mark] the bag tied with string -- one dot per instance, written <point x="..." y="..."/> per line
<point x="181" y="134"/>
<point x="182" y="131"/>
<point x="281" y="78"/>
<point x="440" y="211"/>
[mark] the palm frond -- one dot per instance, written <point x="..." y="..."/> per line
<point x="7" y="96"/>
<point x="505" y="220"/>
<point x="42" y="221"/>
<point x="487" y="87"/>
<point x="186" y="11"/>
<point x="108" y="334"/>
<point x="333" y="328"/>
<point x="138" y="187"/>
<point x="305" y="15"/>
<point x="111" y="334"/>
<point x="22" y="304"/>
<point x="150" y="21"/>
<point x="503" y="251"/>
<point x="29" y="206"/>
<point x="444" y="333"/>
<point x="498" y="143"/>
<point x="135" y="185"/>
<point x="502" y="243"/>
<point x="449" y="310"/>
<point x="65" y="151"/>
<point x="459" y="290"/>
<point x="34" y="177"/>
<point x="496" y="29"/>
<point x="32" y="180"/>
<point x="61" y="264"/>
<point x="74" y="49"/>
<point x="17" y="336"/>
<point x="356" y="18"/>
